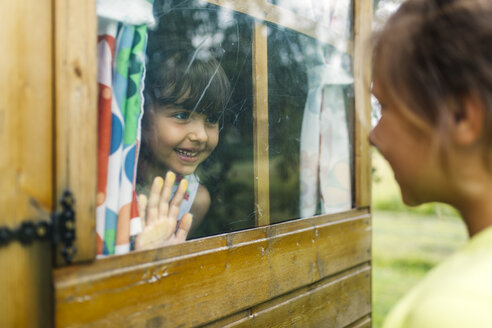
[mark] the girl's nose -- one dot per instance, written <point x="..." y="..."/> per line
<point x="198" y="131"/>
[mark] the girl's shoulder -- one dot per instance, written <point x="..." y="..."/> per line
<point x="201" y="203"/>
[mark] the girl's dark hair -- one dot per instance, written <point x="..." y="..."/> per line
<point x="433" y="54"/>
<point x="191" y="78"/>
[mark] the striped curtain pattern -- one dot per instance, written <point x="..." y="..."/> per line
<point x="122" y="37"/>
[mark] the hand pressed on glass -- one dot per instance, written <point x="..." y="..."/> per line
<point x="160" y="215"/>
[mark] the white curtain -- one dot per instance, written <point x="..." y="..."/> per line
<point x="325" y="179"/>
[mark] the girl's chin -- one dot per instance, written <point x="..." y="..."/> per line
<point x="412" y="199"/>
<point x="183" y="170"/>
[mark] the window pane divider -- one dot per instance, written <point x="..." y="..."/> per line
<point x="260" y="125"/>
<point x="362" y="78"/>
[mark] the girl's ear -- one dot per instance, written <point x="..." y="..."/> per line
<point x="469" y="122"/>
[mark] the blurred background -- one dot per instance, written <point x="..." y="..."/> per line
<point x="407" y="242"/>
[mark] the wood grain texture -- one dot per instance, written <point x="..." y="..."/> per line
<point x="362" y="77"/>
<point x="204" y="245"/>
<point x="76" y="115"/>
<point x="337" y="301"/>
<point x="194" y="289"/>
<point x="260" y="125"/>
<point x="26" y="166"/>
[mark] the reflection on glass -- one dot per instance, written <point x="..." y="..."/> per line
<point x="332" y="17"/>
<point x="198" y="115"/>
<point x="325" y="12"/>
<point x="287" y="93"/>
<point x="310" y="88"/>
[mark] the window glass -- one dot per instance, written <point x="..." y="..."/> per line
<point x="310" y="134"/>
<point x="200" y="120"/>
<point x="325" y="12"/>
<point x="287" y="94"/>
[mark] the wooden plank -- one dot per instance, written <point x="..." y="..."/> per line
<point x="268" y="12"/>
<point x="318" y="220"/>
<point x="203" y="287"/>
<point x="337" y="301"/>
<point x="260" y="125"/>
<point x="76" y="115"/>
<point x="208" y="244"/>
<point x="362" y="77"/>
<point x="293" y="317"/>
<point x="26" y="161"/>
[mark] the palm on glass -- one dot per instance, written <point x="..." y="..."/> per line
<point x="159" y="215"/>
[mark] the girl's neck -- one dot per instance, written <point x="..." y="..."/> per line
<point x="470" y="182"/>
<point x="477" y="213"/>
<point x="472" y="197"/>
<point x="148" y="170"/>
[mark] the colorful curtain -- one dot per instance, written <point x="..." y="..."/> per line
<point x="325" y="179"/>
<point x="122" y="38"/>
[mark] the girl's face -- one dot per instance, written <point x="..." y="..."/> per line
<point x="410" y="150"/>
<point x="181" y="139"/>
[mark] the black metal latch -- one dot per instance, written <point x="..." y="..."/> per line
<point x="61" y="229"/>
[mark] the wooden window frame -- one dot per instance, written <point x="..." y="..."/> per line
<point x="191" y="284"/>
<point x="75" y="75"/>
<point x="260" y="125"/>
<point x="81" y="289"/>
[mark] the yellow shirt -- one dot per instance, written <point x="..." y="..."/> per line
<point x="457" y="293"/>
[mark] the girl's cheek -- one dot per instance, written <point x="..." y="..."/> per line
<point x="214" y="137"/>
<point x="213" y="145"/>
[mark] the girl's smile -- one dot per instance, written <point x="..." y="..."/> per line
<point x="187" y="155"/>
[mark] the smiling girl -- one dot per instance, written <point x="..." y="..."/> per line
<point x="186" y="93"/>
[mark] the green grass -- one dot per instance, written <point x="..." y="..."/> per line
<point x="407" y="242"/>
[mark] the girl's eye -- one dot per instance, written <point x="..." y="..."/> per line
<point x="182" y="115"/>
<point x="212" y="120"/>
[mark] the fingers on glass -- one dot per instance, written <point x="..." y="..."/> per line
<point x="184" y="227"/>
<point x="142" y="207"/>
<point x="177" y="199"/>
<point x="159" y="212"/>
<point x="166" y="195"/>
<point x="153" y="204"/>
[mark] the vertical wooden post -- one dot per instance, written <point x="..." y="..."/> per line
<point x="362" y="77"/>
<point x="75" y="54"/>
<point x="26" y="160"/>
<point x="260" y="125"/>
